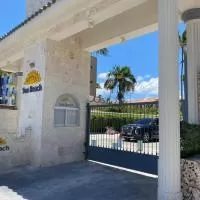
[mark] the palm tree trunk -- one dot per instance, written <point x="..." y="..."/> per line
<point x="185" y="88"/>
<point x="120" y="95"/>
<point x="182" y="66"/>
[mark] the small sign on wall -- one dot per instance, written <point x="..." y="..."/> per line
<point x="3" y="145"/>
<point x="32" y="82"/>
<point x="66" y="101"/>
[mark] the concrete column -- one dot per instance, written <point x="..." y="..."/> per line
<point x="32" y="99"/>
<point x="192" y="19"/>
<point x="169" y="187"/>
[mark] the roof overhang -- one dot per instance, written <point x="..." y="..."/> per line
<point x="105" y="21"/>
<point x="64" y="19"/>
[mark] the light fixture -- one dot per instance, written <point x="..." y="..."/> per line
<point x="32" y="65"/>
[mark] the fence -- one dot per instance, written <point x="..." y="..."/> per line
<point x="127" y="127"/>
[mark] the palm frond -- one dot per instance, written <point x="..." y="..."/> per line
<point x="120" y="77"/>
<point x="102" y="52"/>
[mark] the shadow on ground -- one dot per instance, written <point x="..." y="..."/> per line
<point x="84" y="181"/>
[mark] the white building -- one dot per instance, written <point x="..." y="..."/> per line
<point x="51" y="49"/>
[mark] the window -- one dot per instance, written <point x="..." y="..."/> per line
<point x="8" y="82"/>
<point x="66" y="112"/>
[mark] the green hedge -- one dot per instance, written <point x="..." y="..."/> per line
<point x="148" y="109"/>
<point x="98" y="122"/>
<point x="190" y="140"/>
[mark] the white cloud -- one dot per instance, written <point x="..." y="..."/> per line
<point x="102" y="75"/>
<point x="139" y="78"/>
<point x="142" y="78"/>
<point x="147" y="87"/>
<point x="147" y="76"/>
<point x="102" y="91"/>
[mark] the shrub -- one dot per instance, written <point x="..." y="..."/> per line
<point x="136" y="109"/>
<point x="98" y="122"/>
<point x="190" y="140"/>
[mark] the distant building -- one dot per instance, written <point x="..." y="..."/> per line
<point x="145" y="100"/>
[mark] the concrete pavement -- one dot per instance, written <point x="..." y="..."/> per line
<point x="84" y="181"/>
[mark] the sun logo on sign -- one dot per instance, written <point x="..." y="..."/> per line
<point x="33" y="77"/>
<point x="2" y="141"/>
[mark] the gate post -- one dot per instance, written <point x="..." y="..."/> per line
<point x="169" y="179"/>
<point x="87" y="131"/>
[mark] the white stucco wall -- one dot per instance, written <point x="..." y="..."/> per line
<point x="31" y="107"/>
<point x="29" y="131"/>
<point x="8" y="120"/>
<point x="70" y="76"/>
<point x="19" y="153"/>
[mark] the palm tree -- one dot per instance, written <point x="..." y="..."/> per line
<point x="102" y="52"/>
<point x="183" y="45"/>
<point x="98" y="86"/>
<point x="120" y="77"/>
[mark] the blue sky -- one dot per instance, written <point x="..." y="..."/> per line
<point x="141" y="53"/>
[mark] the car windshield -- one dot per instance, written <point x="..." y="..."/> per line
<point x="144" y="121"/>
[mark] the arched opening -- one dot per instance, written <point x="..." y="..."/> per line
<point x="66" y="112"/>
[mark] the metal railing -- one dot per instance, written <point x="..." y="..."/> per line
<point x="132" y="127"/>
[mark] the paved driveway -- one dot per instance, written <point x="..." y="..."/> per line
<point x="79" y="181"/>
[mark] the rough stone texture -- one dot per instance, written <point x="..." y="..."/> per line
<point x="19" y="153"/>
<point x="67" y="72"/>
<point x="65" y="69"/>
<point x="8" y="120"/>
<point x="190" y="170"/>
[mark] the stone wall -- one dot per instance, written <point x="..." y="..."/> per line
<point x="190" y="170"/>
<point x="67" y="72"/>
<point x="8" y="120"/>
<point x="16" y="151"/>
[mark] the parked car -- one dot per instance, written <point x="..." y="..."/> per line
<point x="145" y="129"/>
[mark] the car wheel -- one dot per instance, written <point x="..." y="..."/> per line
<point x="146" y="137"/>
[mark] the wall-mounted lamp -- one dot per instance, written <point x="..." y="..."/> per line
<point x="32" y="64"/>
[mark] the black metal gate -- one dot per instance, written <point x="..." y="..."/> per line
<point x="124" y="135"/>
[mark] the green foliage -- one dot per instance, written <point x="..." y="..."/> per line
<point x="1" y="72"/>
<point x="102" y="52"/>
<point x="99" y="122"/>
<point x="182" y="39"/>
<point x="120" y="77"/>
<point x="133" y="109"/>
<point x="190" y="140"/>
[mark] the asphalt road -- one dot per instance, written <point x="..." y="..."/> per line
<point x="78" y="181"/>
